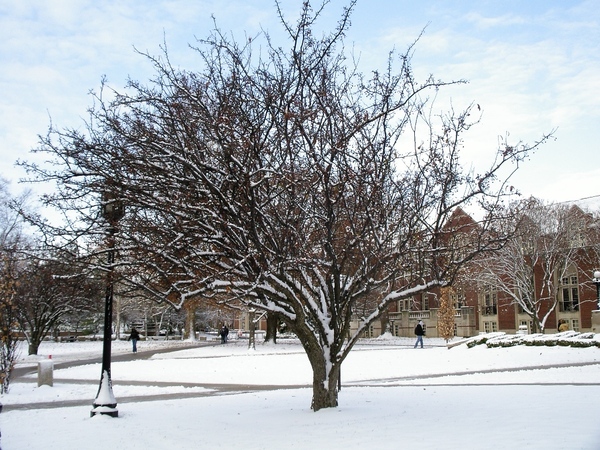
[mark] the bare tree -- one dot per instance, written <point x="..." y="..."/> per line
<point x="529" y="268"/>
<point x="11" y="239"/>
<point x="9" y="337"/>
<point x="278" y="181"/>
<point x="49" y="289"/>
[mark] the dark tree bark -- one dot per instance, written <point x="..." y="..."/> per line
<point x="272" y="326"/>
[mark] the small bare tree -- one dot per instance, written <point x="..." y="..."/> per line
<point x="51" y="289"/>
<point x="9" y="337"/>
<point x="529" y="268"/>
<point x="11" y="239"/>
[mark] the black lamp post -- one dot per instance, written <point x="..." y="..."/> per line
<point x="596" y="281"/>
<point x="105" y="402"/>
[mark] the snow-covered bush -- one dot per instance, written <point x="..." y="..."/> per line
<point x="565" y="339"/>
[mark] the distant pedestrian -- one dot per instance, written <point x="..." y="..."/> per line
<point x="419" y="332"/>
<point x="563" y="325"/>
<point x="134" y="337"/>
<point x="224" y="333"/>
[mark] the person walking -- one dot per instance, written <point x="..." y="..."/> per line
<point x="224" y="333"/>
<point x="419" y="332"/>
<point x="134" y="337"/>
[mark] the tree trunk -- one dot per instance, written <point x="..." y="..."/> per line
<point x="252" y="325"/>
<point x="325" y="382"/>
<point x="33" y="348"/>
<point x="272" y="323"/>
<point x="34" y="340"/>
<point x="326" y="372"/>
<point x="385" y="322"/>
<point x="536" y="326"/>
<point x="190" y="321"/>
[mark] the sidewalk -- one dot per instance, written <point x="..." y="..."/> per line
<point x="26" y="374"/>
<point x="219" y="389"/>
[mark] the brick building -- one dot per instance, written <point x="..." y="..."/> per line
<point x="567" y="294"/>
<point x="481" y="307"/>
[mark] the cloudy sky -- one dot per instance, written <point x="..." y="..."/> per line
<point x="533" y="66"/>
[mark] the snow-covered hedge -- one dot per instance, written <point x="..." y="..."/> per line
<point x="484" y="338"/>
<point x="565" y="339"/>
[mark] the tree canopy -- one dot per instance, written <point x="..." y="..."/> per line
<point x="278" y="178"/>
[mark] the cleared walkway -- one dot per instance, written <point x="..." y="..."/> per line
<point x="211" y="389"/>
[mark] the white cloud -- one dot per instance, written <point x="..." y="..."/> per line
<point x="482" y="22"/>
<point x="531" y="68"/>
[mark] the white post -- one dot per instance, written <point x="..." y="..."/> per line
<point x="46" y="373"/>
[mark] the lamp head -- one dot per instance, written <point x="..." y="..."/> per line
<point x="112" y="207"/>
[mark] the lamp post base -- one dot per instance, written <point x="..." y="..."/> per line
<point x="105" y="403"/>
<point x="105" y="411"/>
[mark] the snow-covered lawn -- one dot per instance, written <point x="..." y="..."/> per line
<point x="393" y="396"/>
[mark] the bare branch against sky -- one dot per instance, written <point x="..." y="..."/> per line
<point x="532" y="66"/>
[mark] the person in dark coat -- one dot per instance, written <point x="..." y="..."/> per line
<point x="134" y="337"/>
<point x="420" y="332"/>
<point x="224" y="333"/>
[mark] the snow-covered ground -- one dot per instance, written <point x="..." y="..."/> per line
<point x="393" y="396"/>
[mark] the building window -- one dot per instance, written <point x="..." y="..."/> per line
<point x="527" y="324"/>
<point x="577" y="237"/>
<point x="457" y="299"/>
<point x="490" y="327"/>
<point x="490" y="302"/>
<point x="569" y="293"/>
<point x="421" y="302"/>
<point x="575" y="325"/>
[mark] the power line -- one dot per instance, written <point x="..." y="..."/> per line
<point x="591" y="197"/>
